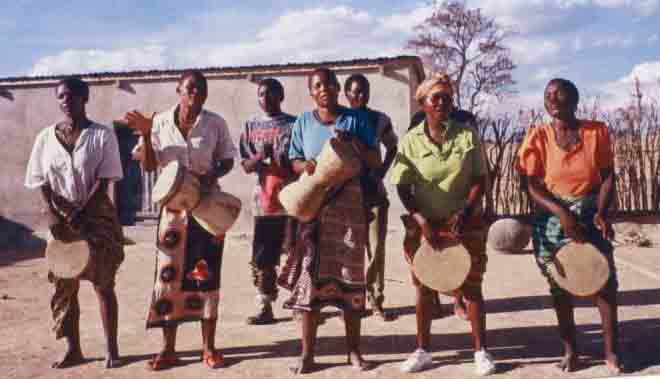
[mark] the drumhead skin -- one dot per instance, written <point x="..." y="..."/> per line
<point x="580" y="269"/>
<point x="168" y="182"/>
<point x="67" y="259"/>
<point x="443" y="270"/>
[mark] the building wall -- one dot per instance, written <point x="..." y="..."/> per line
<point x="29" y="109"/>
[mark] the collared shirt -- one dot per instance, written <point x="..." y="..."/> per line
<point x="72" y="176"/>
<point x="567" y="173"/>
<point x="441" y="175"/>
<point x="208" y="141"/>
<point x="275" y="131"/>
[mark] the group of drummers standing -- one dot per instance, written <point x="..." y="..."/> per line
<point x="335" y="254"/>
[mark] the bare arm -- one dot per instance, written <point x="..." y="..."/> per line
<point x="605" y="197"/>
<point x="143" y="125"/>
<point x="300" y="165"/>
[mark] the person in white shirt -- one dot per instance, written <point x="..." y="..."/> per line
<point x="189" y="259"/>
<point x="71" y="163"/>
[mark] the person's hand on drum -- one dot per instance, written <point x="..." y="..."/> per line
<point x="139" y="122"/>
<point x="344" y="135"/>
<point x="605" y="227"/>
<point x="310" y="167"/>
<point x="571" y="227"/>
<point x="427" y="230"/>
<point x="457" y="222"/>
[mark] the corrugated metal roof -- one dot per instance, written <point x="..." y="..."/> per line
<point x="235" y="70"/>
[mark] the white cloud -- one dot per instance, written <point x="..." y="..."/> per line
<point x="85" y="61"/>
<point x="617" y="93"/>
<point x="533" y="50"/>
<point x="296" y="36"/>
<point x="641" y="7"/>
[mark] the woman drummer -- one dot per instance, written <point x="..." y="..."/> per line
<point x="568" y="166"/>
<point x="72" y="162"/>
<point x="440" y="175"/>
<point x="330" y="251"/>
<point x="187" y="283"/>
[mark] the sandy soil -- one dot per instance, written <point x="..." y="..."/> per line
<point x="522" y="334"/>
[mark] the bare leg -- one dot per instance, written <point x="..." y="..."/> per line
<point x="305" y="363"/>
<point x="563" y="305"/>
<point x="459" y="308"/>
<point x="66" y="313"/>
<point x="208" y="335"/>
<point x="352" y="324"/>
<point x="607" y="305"/>
<point x="109" y="310"/>
<point x="423" y="309"/>
<point x="475" y="313"/>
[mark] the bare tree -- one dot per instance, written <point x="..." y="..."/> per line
<point x="469" y="47"/>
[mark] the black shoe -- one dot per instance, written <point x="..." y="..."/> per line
<point x="262" y="318"/>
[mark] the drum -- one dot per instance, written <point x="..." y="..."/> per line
<point x="176" y="188"/>
<point x="67" y="260"/>
<point x="580" y="269"/>
<point x="509" y="235"/>
<point x="337" y="163"/>
<point x="217" y="211"/>
<point x="443" y="270"/>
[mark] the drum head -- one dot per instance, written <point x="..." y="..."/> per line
<point x="167" y="182"/>
<point x="580" y="269"/>
<point x="442" y="270"/>
<point x="67" y="259"/>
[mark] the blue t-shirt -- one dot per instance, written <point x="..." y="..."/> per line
<point x="309" y="134"/>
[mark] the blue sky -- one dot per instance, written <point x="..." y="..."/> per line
<point x="600" y="44"/>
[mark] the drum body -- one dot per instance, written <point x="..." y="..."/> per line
<point x="443" y="270"/>
<point x="217" y="211"/>
<point x="336" y="164"/>
<point x="176" y="188"/>
<point x="580" y="269"/>
<point x="67" y="260"/>
<point x="509" y="235"/>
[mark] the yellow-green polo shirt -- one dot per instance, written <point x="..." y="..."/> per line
<point x="441" y="175"/>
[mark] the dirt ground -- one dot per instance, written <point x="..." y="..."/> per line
<point x="521" y="324"/>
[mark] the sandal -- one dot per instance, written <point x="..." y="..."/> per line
<point x="163" y="362"/>
<point x="213" y="360"/>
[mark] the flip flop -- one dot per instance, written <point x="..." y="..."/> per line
<point x="214" y="360"/>
<point x="162" y="362"/>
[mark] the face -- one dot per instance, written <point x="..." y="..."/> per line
<point x="71" y="105"/>
<point x="357" y="95"/>
<point x="269" y="100"/>
<point x="558" y="102"/>
<point x="323" y="90"/>
<point x="191" y="94"/>
<point x="438" y="104"/>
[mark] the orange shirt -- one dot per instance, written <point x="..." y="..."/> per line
<point x="567" y="173"/>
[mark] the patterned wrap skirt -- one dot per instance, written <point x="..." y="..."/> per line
<point x="101" y="229"/>
<point x="187" y="274"/>
<point x="326" y="265"/>
<point x="548" y="237"/>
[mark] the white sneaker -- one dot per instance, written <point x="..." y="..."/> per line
<point x="483" y="362"/>
<point x="417" y="361"/>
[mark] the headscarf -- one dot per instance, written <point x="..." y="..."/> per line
<point x="437" y="82"/>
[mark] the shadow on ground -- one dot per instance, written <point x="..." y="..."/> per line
<point x="18" y="243"/>
<point x="511" y="347"/>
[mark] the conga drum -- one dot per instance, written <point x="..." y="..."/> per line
<point x="217" y="211"/>
<point x="337" y="163"/>
<point x="509" y="235"/>
<point x="443" y="270"/>
<point x="176" y="188"/>
<point x="67" y="260"/>
<point x="580" y="269"/>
